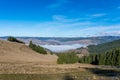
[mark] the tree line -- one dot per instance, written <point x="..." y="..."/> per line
<point x="37" y="48"/>
<point x="67" y="58"/>
<point x="109" y="58"/>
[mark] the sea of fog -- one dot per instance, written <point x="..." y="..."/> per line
<point x="61" y="48"/>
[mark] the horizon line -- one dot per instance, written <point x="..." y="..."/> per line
<point x="62" y="37"/>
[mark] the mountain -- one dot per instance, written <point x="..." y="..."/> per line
<point x="16" y="52"/>
<point x="104" y="47"/>
<point x="67" y="41"/>
<point x="79" y="51"/>
<point x="108" y="45"/>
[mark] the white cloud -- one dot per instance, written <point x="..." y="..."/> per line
<point x="116" y="33"/>
<point x="62" y="18"/>
<point x="59" y="17"/>
<point x="61" y="26"/>
<point x="104" y="30"/>
<point x="109" y="33"/>
<point x="98" y="15"/>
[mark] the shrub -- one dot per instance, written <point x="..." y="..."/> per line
<point x="13" y="39"/>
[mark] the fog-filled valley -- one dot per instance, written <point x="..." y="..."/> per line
<point x="62" y="48"/>
<point x="60" y="44"/>
<point x="59" y="39"/>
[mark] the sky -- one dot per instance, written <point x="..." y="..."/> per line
<point x="59" y="18"/>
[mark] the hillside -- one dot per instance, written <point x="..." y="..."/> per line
<point x="16" y="52"/>
<point x="19" y="62"/>
<point x="79" y="51"/>
<point x="102" y="48"/>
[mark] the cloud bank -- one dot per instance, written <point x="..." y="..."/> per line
<point x="60" y="48"/>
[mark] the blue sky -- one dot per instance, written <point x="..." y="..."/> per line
<point x="59" y="18"/>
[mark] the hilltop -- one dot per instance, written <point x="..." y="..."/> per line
<point x="16" y="52"/>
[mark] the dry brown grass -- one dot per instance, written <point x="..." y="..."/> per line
<point x="38" y="68"/>
<point x="15" y="52"/>
<point x="17" y="58"/>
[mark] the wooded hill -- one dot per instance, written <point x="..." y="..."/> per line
<point x="111" y="57"/>
<point x="102" y="48"/>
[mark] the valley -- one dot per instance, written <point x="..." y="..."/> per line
<point x="18" y="61"/>
<point x="60" y="44"/>
<point x="59" y="39"/>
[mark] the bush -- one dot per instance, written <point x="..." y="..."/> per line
<point x="67" y="58"/>
<point x="36" y="48"/>
<point x="13" y="39"/>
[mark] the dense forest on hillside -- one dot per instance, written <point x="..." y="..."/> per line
<point x="37" y="48"/>
<point x="109" y="58"/>
<point x="102" y="48"/>
<point x="67" y="58"/>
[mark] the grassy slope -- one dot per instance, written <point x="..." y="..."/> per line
<point x="16" y="52"/>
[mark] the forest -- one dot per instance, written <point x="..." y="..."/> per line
<point x="109" y="58"/>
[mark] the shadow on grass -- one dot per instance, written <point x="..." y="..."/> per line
<point x="104" y="72"/>
<point x="68" y="77"/>
<point x="36" y="77"/>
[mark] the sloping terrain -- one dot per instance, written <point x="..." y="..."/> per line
<point x="79" y="51"/>
<point x="104" y="47"/>
<point x="16" y="52"/>
<point x="19" y="62"/>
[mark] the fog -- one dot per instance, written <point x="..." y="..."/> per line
<point x="61" y="48"/>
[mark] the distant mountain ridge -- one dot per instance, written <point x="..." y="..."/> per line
<point x="66" y="40"/>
